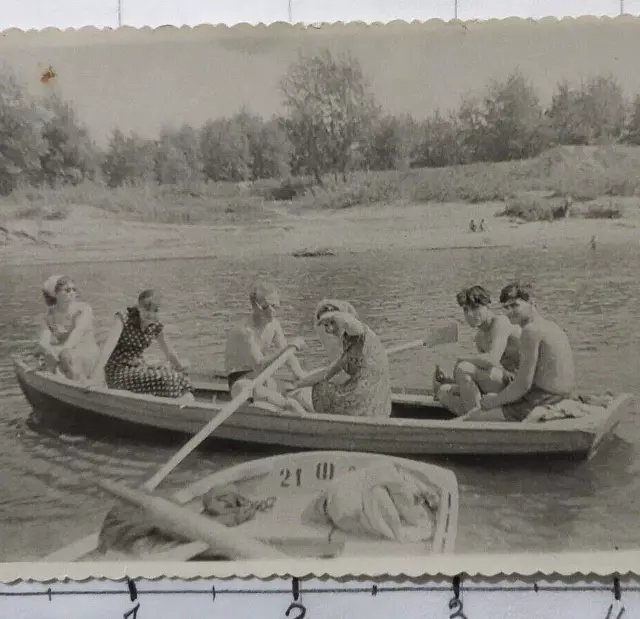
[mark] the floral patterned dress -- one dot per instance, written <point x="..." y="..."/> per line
<point x="367" y="392"/>
<point x="126" y="368"/>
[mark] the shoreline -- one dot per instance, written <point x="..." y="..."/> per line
<point x="90" y="235"/>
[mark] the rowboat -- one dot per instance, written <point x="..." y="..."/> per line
<point x="286" y="489"/>
<point x="418" y="425"/>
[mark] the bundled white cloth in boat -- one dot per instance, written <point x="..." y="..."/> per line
<point x="381" y="501"/>
<point x="566" y="409"/>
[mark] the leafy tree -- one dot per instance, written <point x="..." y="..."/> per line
<point x="21" y="141"/>
<point x="331" y="111"/>
<point x="512" y="121"/>
<point x="225" y="151"/>
<point x="129" y="160"/>
<point x="178" y="160"/>
<point x="470" y="122"/>
<point x="70" y="155"/>
<point x="268" y="146"/>
<point x="594" y="113"/>
<point x="390" y="146"/>
<point x="632" y="128"/>
<point x="439" y="141"/>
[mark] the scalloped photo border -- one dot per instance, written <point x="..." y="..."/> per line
<point x="486" y="566"/>
<point x="283" y="27"/>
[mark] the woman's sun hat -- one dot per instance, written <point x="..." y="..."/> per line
<point x="347" y="323"/>
<point x="50" y="285"/>
<point x="334" y="305"/>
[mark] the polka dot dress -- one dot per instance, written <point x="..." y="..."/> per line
<point x="126" y="368"/>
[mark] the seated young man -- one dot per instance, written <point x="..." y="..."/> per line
<point x="248" y="344"/>
<point x="495" y="365"/>
<point x="546" y="372"/>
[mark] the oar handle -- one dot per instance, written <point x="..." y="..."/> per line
<point x="406" y="346"/>
<point x="222" y="416"/>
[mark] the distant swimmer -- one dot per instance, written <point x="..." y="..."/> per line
<point x="592" y="242"/>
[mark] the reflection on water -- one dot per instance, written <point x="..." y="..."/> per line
<point x="49" y="480"/>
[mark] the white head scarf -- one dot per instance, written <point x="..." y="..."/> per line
<point x="331" y="343"/>
<point x="50" y="285"/>
<point x="347" y="325"/>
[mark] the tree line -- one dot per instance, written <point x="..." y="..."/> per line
<point x="331" y="125"/>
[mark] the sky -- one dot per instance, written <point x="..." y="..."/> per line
<point x="38" y="14"/>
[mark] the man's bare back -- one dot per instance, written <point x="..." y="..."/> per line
<point x="243" y="339"/>
<point x="555" y="370"/>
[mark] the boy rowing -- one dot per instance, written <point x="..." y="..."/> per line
<point x="546" y="372"/>
<point x="248" y="345"/>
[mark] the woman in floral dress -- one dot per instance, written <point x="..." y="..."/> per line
<point x="367" y="391"/>
<point x="122" y="355"/>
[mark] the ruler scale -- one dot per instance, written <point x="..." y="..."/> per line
<point x="295" y="598"/>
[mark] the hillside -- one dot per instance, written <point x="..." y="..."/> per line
<point x="428" y="208"/>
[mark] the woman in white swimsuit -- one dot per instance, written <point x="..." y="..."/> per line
<point x="67" y="341"/>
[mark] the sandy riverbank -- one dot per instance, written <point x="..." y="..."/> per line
<point x="92" y="235"/>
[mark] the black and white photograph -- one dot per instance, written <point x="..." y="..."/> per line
<point x="338" y="292"/>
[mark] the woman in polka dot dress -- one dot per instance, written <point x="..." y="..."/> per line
<point x="122" y="354"/>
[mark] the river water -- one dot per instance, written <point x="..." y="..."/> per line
<point x="48" y="479"/>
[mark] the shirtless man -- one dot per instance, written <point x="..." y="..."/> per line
<point x="546" y="372"/>
<point x="248" y="343"/>
<point x="495" y="365"/>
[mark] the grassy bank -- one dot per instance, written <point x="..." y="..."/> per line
<point x="594" y="177"/>
<point x="583" y="173"/>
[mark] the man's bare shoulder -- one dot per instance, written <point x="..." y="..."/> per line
<point x="503" y="324"/>
<point x="542" y="328"/>
<point x="534" y="330"/>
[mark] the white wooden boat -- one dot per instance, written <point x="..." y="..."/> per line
<point x="292" y="483"/>
<point x="418" y="426"/>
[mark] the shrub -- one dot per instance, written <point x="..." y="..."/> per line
<point x="529" y="209"/>
<point x="603" y="211"/>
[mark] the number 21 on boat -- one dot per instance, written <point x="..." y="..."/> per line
<point x="324" y="471"/>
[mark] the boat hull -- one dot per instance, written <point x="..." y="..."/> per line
<point x="54" y="396"/>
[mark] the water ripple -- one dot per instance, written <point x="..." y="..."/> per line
<point x="49" y="480"/>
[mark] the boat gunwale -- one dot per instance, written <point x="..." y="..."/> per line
<point x="589" y="424"/>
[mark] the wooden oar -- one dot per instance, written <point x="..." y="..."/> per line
<point x="220" y="418"/>
<point x="188" y="524"/>
<point x="437" y="337"/>
<point x="440" y="336"/>
<point x="178" y="520"/>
